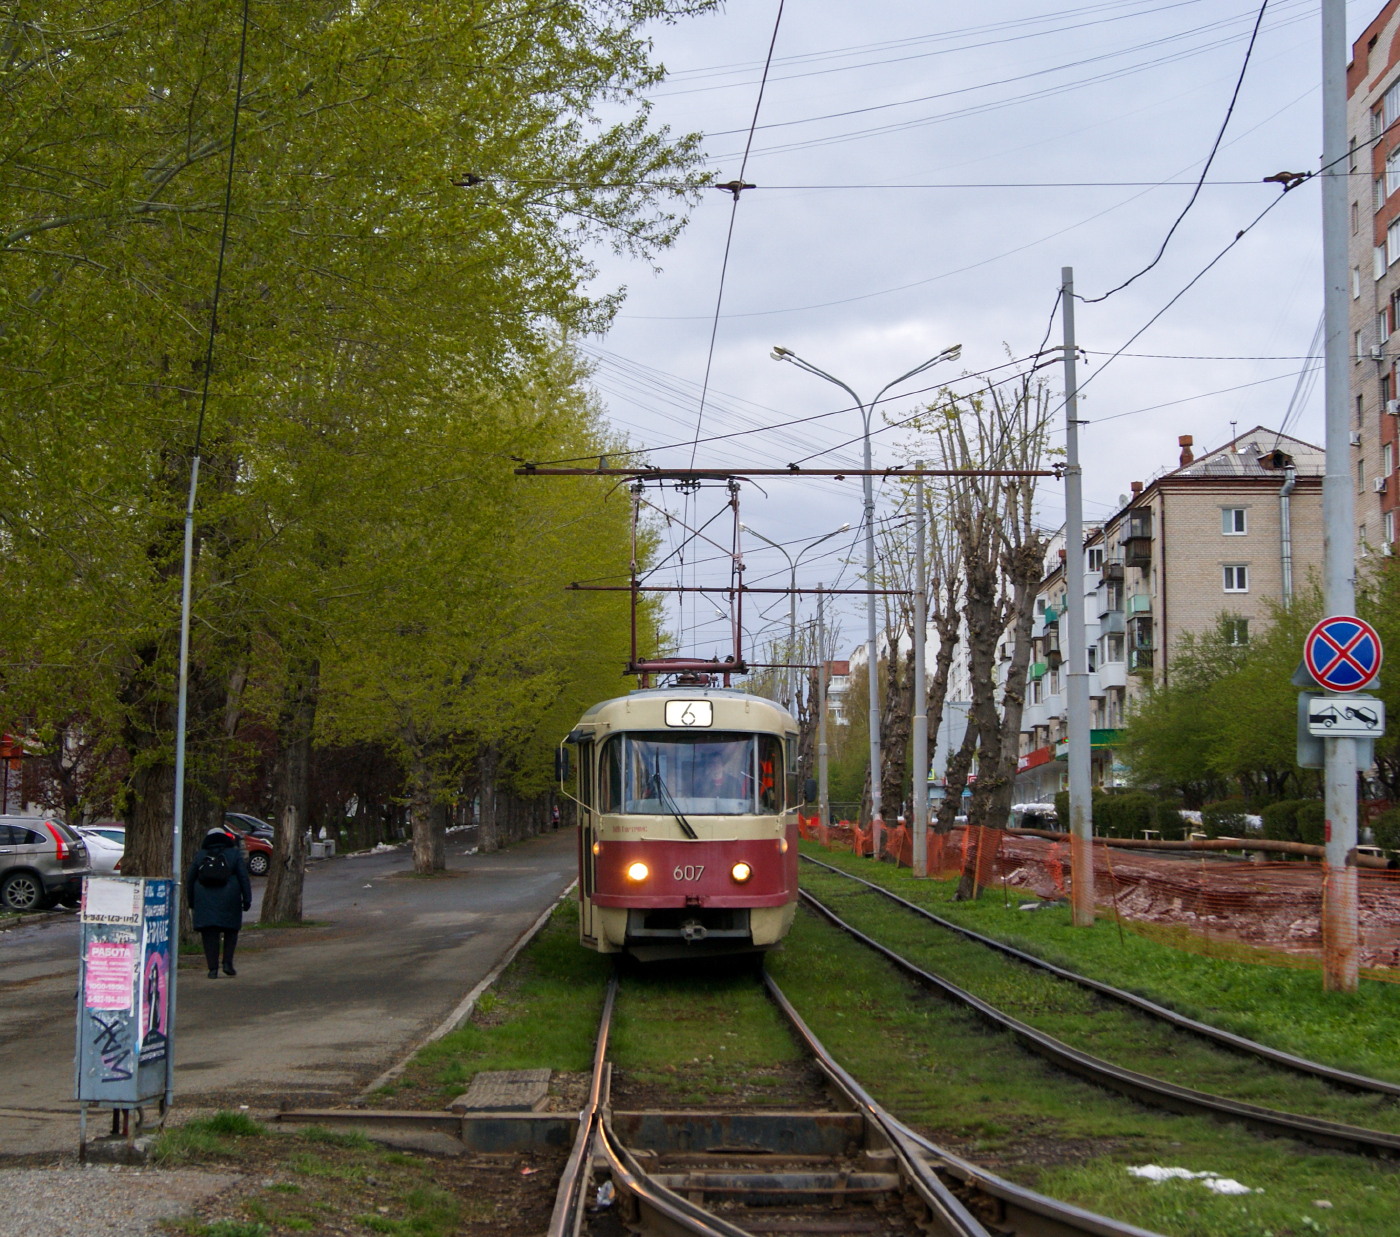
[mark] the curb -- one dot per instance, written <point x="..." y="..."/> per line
<point x="21" y="921"/>
<point x="468" y="1002"/>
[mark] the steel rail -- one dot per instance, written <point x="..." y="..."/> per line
<point x="950" y="1216"/>
<point x="1031" y="1213"/>
<point x="1141" y="1087"/>
<point x="1276" y="1056"/>
<point x="564" y="1221"/>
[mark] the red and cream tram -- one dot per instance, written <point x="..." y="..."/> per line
<point x="688" y="801"/>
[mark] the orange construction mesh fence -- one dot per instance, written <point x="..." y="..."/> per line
<point x="1272" y="913"/>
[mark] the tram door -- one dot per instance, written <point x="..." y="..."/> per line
<point x="588" y="827"/>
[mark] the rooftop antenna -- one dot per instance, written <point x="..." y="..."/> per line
<point x="1233" y="435"/>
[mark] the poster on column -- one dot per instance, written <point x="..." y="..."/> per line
<point x="122" y="1015"/>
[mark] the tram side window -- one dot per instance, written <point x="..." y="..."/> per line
<point x="794" y="786"/>
<point x="610" y="775"/>
<point x="585" y="774"/>
<point x="770" y="775"/>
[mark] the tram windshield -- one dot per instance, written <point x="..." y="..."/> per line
<point x="713" y="774"/>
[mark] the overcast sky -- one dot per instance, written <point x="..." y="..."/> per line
<point x="833" y="258"/>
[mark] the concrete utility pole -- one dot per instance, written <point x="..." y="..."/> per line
<point x="919" y="824"/>
<point x="1339" y="929"/>
<point x="823" y="797"/>
<point x="1081" y="812"/>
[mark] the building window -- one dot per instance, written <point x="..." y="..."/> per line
<point x="1358" y="412"/>
<point x="1377" y="123"/>
<point x="1236" y="631"/>
<point x="1361" y="476"/>
<point x="1351" y="152"/>
<point x="1385" y="381"/>
<point x="1054" y="682"/>
<point x="1392" y="104"/>
<point x="1040" y="605"/>
<point x="1377" y="195"/>
<point x="1237" y="578"/>
<point x="1387" y="459"/>
<point x="1383" y="325"/>
<point x="1378" y="263"/>
<point x="1355" y="283"/>
<point x="1392" y="172"/>
<point x="1093" y="658"/>
<point x="1392" y="244"/>
<point x="1355" y="218"/>
<point x="1356" y="340"/>
<point x="1096" y="558"/>
<point x="1114" y="648"/>
<point x="1390" y="528"/>
<point x="1233" y="521"/>
<point x="1035" y="691"/>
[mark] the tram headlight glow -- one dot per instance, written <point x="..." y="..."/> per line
<point x="637" y="871"/>
<point x="782" y="846"/>
<point x="597" y="848"/>
<point x="741" y="872"/>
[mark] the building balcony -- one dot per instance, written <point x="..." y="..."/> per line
<point x="1137" y="552"/>
<point x="1113" y="674"/>
<point x="1140" y="661"/>
<point x="1140" y="603"/>
<point x="1113" y="570"/>
<point x="1111" y="623"/>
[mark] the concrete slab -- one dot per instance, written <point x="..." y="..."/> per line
<point x="509" y="1090"/>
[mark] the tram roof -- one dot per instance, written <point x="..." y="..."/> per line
<point x="777" y="716"/>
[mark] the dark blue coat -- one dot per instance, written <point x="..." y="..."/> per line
<point x="220" y="906"/>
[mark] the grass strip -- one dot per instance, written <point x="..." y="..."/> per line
<point x="1092" y="1023"/>
<point x="975" y="1090"/>
<point x="542" y="1013"/>
<point x="332" y="1181"/>
<point x="703" y="1033"/>
<point x="1282" y="1007"/>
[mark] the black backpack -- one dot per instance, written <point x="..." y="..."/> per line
<point x="213" y="869"/>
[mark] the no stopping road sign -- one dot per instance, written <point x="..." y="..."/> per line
<point x="1343" y="653"/>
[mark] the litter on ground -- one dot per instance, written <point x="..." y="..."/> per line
<point x="1156" y="1174"/>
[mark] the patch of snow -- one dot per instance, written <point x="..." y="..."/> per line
<point x="1157" y="1174"/>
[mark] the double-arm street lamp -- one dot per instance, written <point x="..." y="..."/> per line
<point x="866" y="411"/>
<point x="790" y="678"/>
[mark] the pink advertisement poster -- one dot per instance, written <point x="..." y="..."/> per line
<point x="111" y="975"/>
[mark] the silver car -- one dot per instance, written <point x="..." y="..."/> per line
<point x="42" y="861"/>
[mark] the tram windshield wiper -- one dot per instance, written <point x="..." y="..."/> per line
<point x="664" y="794"/>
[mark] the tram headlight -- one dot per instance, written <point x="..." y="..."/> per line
<point x="597" y="848"/>
<point x="741" y="872"/>
<point x="637" y="871"/>
<point x="782" y="846"/>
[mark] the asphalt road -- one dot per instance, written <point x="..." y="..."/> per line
<point x="315" y="1013"/>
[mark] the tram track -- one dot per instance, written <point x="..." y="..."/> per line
<point x="1344" y="1079"/>
<point x="1143" y="1088"/>
<point x="765" y="1171"/>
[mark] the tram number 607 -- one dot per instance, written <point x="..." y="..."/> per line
<point x="691" y="872"/>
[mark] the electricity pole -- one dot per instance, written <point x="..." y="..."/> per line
<point x="1081" y="818"/>
<point x="1339" y="957"/>
<point x="823" y="798"/>
<point x="919" y="824"/>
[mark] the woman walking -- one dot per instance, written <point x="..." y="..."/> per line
<point x="220" y="892"/>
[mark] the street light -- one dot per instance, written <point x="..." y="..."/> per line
<point x="790" y="679"/>
<point x="866" y="411"/>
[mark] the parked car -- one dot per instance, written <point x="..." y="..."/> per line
<point x="259" y="852"/>
<point x="105" y="846"/>
<point x="42" y="861"/>
<point x="245" y="826"/>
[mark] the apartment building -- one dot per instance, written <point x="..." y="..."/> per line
<point x="1227" y="533"/>
<point x="1373" y="125"/>
<point x="838" y="689"/>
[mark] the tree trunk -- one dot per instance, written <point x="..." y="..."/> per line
<point x="149" y="816"/>
<point x="896" y="726"/>
<point x="487" y="835"/>
<point x="429" y="820"/>
<point x="287" y="871"/>
<point x="956" y="779"/>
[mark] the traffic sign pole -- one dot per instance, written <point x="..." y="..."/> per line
<point x="1339" y="928"/>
